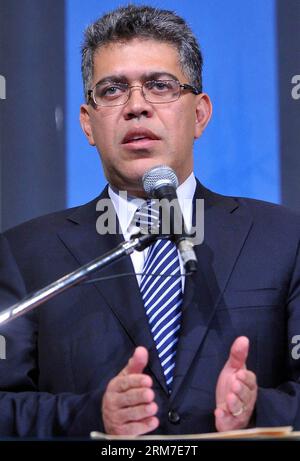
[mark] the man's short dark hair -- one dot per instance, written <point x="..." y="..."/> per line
<point x="127" y="23"/>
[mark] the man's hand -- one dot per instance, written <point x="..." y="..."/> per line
<point x="128" y="406"/>
<point x="236" y="391"/>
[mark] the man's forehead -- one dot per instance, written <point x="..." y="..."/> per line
<point x="136" y="59"/>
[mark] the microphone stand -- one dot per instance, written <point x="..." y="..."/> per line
<point x="138" y="242"/>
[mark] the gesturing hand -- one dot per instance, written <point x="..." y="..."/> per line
<point x="128" y="406"/>
<point x="236" y="390"/>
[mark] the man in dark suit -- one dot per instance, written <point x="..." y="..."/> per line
<point x="87" y="359"/>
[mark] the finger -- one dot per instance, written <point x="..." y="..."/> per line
<point x="248" y="378"/>
<point x="234" y="404"/>
<point x="134" y="397"/>
<point x="224" y="421"/>
<point x="239" y="353"/>
<point x="123" y="383"/>
<point x="137" y="362"/>
<point x="140" y="427"/>
<point x="137" y="413"/>
<point x="242" y="391"/>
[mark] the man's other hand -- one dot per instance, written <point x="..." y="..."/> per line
<point x="128" y="406"/>
<point x="236" y="390"/>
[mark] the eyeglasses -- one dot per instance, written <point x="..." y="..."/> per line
<point x="110" y="94"/>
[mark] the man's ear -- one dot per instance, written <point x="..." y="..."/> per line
<point x="203" y="113"/>
<point x="85" y="123"/>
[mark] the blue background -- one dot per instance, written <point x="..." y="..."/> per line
<point x="239" y="152"/>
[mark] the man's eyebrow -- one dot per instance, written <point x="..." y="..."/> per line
<point x="122" y="78"/>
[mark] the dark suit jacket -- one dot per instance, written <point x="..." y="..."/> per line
<point x="65" y="352"/>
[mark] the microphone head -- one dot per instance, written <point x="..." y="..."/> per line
<point x="157" y="177"/>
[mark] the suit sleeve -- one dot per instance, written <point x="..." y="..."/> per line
<point x="281" y="406"/>
<point x="23" y="410"/>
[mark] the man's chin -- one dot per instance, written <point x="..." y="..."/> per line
<point x="144" y="165"/>
<point x="130" y="178"/>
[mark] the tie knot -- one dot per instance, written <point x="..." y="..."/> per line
<point x="146" y="217"/>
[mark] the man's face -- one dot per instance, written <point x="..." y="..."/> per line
<point x="166" y="131"/>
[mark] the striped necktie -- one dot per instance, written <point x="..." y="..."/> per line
<point x="162" y="298"/>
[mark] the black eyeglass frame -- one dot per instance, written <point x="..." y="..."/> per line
<point x="182" y="86"/>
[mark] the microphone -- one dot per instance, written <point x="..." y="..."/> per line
<point x="161" y="182"/>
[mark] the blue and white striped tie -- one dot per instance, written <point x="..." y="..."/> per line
<point x="162" y="298"/>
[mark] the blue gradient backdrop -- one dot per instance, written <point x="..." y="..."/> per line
<point x="239" y="152"/>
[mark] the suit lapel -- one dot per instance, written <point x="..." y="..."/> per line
<point x="226" y="228"/>
<point x="122" y="295"/>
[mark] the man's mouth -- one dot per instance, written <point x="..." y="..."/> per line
<point x="136" y="138"/>
<point x="139" y="136"/>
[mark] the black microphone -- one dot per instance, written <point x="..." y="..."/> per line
<point x="161" y="182"/>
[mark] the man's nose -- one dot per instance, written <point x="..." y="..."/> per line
<point x="137" y="105"/>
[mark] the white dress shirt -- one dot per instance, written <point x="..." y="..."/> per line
<point x="126" y="209"/>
